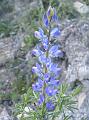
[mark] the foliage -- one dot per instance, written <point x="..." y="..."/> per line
<point x="19" y="84"/>
<point x="66" y="102"/>
<point x="64" y="8"/>
<point x="9" y="95"/>
<point x="6" y="28"/>
<point x="31" y="23"/>
<point x="48" y="98"/>
<point x="5" y="7"/>
<point x="86" y="1"/>
<point x="67" y="10"/>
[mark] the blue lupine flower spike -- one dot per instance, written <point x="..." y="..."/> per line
<point x="47" y="72"/>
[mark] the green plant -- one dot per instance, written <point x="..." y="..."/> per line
<point x="6" y="28"/>
<point x="47" y="99"/>
<point x="5" y="7"/>
<point x="64" y="8"/>
<point x="66" y="102"/>
<point x="86" y="1"/>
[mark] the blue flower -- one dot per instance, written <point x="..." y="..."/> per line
<point x="50" y="106"/>
<point x="58" y="53"/>
<point x="50" y="91"/>
<point x="38" y="85"/>
<point x="54" y="82"/>
<point x="54" y="48"/>
<point x="55" y="52"/>
<point x="42" y="59"/>
<point x="41" y="99"/>
<point x="55" y="32"/>
<point x="37" y="70"/>
<point x="58" y="72"/>
<point x="55" y="17"/>
<point x="45" y="20"/>
<point x="37" y="52"/>
<point x="39" y="34"/>
<point x="46" y="77"/>
<point x="41" y="31"/>
<point x="46" y="71"/>
<point x="53" y="68"/>
<point x="45" y="43"/>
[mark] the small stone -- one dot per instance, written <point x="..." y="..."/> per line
<point x="81" y="8"/>
<point x="4" y="115"/>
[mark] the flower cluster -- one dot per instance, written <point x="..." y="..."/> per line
<point x="48" y="72"/>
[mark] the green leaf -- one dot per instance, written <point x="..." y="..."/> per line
<point x="67" y="117"/>
<point x="76" y="91"/>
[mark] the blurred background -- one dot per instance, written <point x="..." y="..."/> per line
<point x="18" y="21"/>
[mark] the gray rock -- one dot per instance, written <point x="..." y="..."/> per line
<point x="81" y="8"/>
<point x="8" y="50"/>
<point x="75" y="41"/>
<point x="4" y="115"/>
<point x="9" y="46"/>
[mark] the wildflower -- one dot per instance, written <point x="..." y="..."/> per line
<point x="41" y="99"/>
<point x="45" y="20"/>
<point x="55" y="32"/>
<point x="51" y="15"/>
<point x="50" y="91"/>
<point x="39" y="34"/>
<point x="47" y="72"/>
<point x="55" y="51"/>
<point x="50" y="106"/>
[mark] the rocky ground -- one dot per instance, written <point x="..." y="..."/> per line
<point x="75" y="42"/>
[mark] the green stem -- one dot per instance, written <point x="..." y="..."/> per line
<point x="44" y="86"/>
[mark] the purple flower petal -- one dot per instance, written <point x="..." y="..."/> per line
<point x="49" y="11"/>
<point x="54" y="48"/>
<point x="58" y="53"/>
<point x="52" y="67"/>
<point x="37" y="52"/>
<point x="37" y="70"/>
<point x="50" y="91"/>
<point x="46" y="77"/>
<point x="34" y="69"/>
<point x="54" y="82"/>
<point x="55" y="32"/>
<point x="37" y="35"/>
<point x="55" y="53"/>
<point x="45" y="43"/>
<point x="55" y="17"/>
<point x="41" y="82"/>
<point x="38" y="85"/>
<point x="45" y="20"/>
<point x="58" y="72"/>
<point x="50" y="106"/>
<point x="41" y="99"/>
<point x="41" y="31"/>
